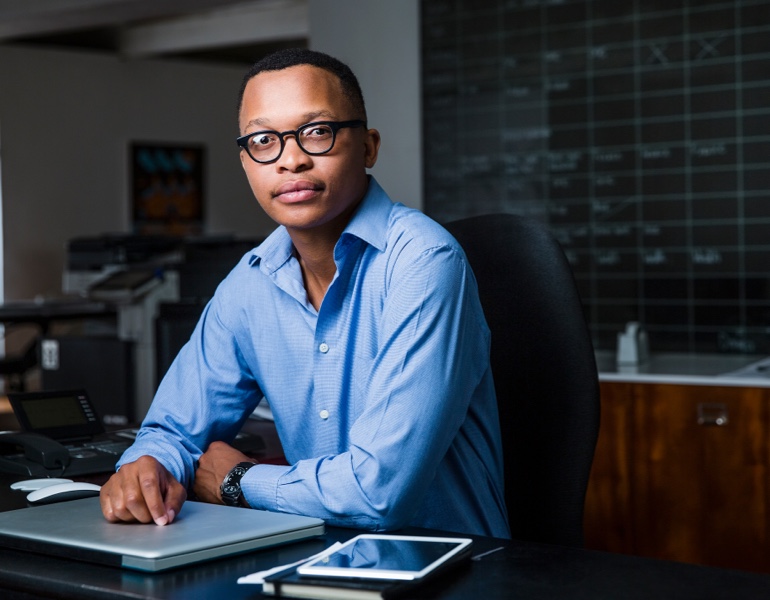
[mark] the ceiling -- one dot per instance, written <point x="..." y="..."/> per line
<point x="233" y="31"/>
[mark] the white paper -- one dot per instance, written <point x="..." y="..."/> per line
<point x="259" y="576"/>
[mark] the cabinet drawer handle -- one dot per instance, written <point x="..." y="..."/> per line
<point x="711" y="413"/>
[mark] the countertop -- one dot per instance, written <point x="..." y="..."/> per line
<point x="681" y="368"/>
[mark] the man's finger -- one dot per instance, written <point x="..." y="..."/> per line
<point x="153" y="486"/>
<point x="107" y="509"/>
<point x="142" y="491"/>
<point x="175" y="498"/>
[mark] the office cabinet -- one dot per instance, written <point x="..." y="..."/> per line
<point x="608" y="518"/>
<point x="103" y="366"/>
<point x="682" y="472"/>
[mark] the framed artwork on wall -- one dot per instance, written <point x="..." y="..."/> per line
<point x="167" y="188"/>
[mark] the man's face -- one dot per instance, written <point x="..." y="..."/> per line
<point x="298" y="190"/>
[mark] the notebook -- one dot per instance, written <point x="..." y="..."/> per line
<point x="77" y="530"/>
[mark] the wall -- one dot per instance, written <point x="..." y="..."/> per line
<point x="640" y="131"/>
<point x="381" y="43"/>
<point x="67" y="119"/>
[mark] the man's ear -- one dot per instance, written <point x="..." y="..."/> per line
<point x="372" y="145"/>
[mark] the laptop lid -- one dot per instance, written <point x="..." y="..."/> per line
<point x="77" y="530"/>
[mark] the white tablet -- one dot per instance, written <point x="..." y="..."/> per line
<point x="381" y="556"/>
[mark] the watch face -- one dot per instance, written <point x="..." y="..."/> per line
<point x="230" y="490"/>
<point x="236" y="472"/>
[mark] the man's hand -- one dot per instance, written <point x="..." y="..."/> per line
<point x="142" y="491"/>
<point x="213" y="467"/>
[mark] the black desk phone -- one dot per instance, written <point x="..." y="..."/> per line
<point x="61" y="435"/>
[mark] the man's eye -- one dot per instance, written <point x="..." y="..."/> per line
<point x="262" y="140"/>
<point x="317" y="131"/>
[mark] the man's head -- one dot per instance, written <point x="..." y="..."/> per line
<point x="304" y="143"/>
<point x="292" y="57"/>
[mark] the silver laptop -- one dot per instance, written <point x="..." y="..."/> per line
<point x="77" y="530"/>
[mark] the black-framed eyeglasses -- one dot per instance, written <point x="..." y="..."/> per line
<point x="314" y="138"/>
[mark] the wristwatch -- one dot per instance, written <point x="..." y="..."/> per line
<point x="231" y="486"/>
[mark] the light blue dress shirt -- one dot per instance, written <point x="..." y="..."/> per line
<point x="383" y="399"/>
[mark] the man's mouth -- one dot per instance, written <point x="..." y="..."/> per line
<point x="297" y="191"/>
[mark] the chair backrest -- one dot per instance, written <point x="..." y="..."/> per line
<point x="544" y="369"/>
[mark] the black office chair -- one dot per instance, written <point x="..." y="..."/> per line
<point x="544" y="370"/>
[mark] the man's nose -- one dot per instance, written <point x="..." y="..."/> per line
<point x="292" y="152"/>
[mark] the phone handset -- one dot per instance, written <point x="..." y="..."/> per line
<point x="38" y="449"/>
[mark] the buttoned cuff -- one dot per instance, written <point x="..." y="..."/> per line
<point x="260" y="486"/>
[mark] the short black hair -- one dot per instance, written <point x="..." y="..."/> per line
<point x="292" y="57"/>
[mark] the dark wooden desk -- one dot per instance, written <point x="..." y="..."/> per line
<point x="519" y="571"/>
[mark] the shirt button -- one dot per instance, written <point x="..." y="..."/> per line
<point x="324" y="414"/>
<point x="324" y="347"/>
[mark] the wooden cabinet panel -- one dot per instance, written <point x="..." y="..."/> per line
<point x="701" y="489"/>
<point x="608" y="520"/>
<point x="670" y="482"/>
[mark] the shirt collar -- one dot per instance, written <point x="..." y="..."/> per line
<point x="369" y="223"/>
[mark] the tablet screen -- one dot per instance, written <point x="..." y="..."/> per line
<point x="386" y="557"/>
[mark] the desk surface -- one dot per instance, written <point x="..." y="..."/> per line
<point x="52" y="310"/>
<point x="519" y="570"/>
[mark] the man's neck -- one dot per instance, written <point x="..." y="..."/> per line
<point x="318" y="269"/>
<point x="315" y="251"/>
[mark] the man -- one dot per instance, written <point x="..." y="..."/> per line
<point x="359" y="321"/>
